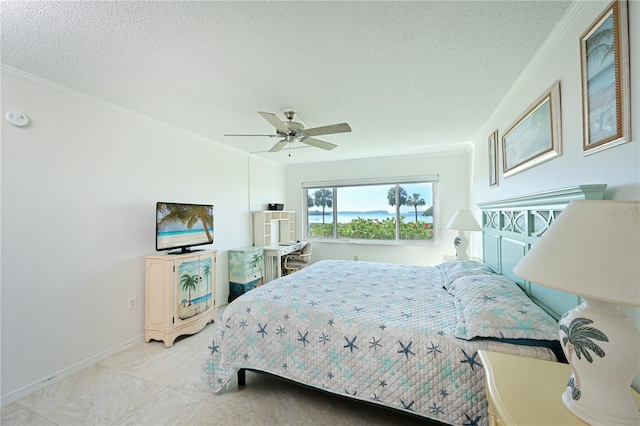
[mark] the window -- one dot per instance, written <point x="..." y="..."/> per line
<point x="400" y="210"/>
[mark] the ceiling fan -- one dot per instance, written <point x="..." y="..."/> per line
<point x="292" y="131"/>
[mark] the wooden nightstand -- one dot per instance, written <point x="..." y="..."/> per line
<point x="527" y="391"/>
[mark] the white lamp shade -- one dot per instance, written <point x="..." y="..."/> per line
<point x="592" y="249"/>
<point x="463" y="220"/>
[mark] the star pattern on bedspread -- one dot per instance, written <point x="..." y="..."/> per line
<point x="351" y="344"/>
<point x="471" y="360"/>
<point x="433" y="349"/>
<point x="447" y="372"/>
<point x="430" y="373"/>
<point x="407" y="406"/>
<point x="406" y="350"/>
<point x="374" y="344"/>
<point x="324" y="338"/>
<point x="262" y="330"/>
<point x="303" y="339"/>
<point x="470" y="421"/>
<point x="436" y="409"/>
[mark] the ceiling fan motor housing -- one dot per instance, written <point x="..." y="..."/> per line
<point x="294" y="126"/>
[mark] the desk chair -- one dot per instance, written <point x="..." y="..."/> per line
<point x="298" y="260"/>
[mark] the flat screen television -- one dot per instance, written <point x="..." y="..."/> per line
<point x="181" y="226"/>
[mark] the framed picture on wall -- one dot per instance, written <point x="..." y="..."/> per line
<point x="493" y="159"/>
<point x="535" y="137"/>
<point x="604" y="60"/>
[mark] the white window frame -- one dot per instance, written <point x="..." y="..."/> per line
<point x="334" y="184"/>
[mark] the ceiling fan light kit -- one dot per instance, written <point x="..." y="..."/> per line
<point x="291" y="131"/>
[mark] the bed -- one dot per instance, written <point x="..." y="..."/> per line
<point x="401" y="336"/>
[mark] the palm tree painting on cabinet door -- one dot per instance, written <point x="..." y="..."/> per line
<point x="194" y="287"/>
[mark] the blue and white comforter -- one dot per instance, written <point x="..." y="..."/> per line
<point x="377" y="332"/>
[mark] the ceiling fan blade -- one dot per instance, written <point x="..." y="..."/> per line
<point x="271" y="136"/>
<point x="277" y="147"/>
<point x="318" y="143"/>
<point x="327" y="130"/>
<point x="275" y="122"/>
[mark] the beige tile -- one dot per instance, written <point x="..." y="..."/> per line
<point x="168" y="407"/>
<point x="17" y="414"/>
<point x="58" y="394"/>
<point x="106" y="403"/>
<point x="149" y="384"/>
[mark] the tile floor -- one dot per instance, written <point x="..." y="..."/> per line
<point x="149" y="384"/>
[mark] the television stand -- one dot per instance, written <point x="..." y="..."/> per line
<point x="171" y="308"/>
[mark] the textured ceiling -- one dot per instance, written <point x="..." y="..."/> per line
<point x="409" y="77"/>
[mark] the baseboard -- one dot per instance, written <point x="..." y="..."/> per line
<point x="57" y="376"/>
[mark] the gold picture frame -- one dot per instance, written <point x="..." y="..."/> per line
<point x="493" y="158"/>
<point x="535" y="137"/>
<point x="604" y="63"/>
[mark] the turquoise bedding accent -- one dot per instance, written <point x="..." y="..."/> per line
<point x="376" y="332"/>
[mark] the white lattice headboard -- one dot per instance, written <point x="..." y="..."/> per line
<point x="511" y="226"/>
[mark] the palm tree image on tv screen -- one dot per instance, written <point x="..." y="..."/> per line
<point x="362" y="212"/>
<point x="182" y="226"/>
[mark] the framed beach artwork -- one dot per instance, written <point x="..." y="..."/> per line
<point x="604" y="58"/>
<point x="493" y="159"/>
<point x="535" y="137"/>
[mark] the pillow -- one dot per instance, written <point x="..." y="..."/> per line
<point x="495" y="307"/>
<point x="460" y="268"/>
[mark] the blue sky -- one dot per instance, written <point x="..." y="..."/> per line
<point x="367" y="198"/>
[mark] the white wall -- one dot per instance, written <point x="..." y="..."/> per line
<point x="79" y="187"/>
<point x="618" y="167"/>
<point x="453" y="189"/>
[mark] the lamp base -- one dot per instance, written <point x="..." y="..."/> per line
<point x="601" y="345"/>
<point x="461" y="243"/>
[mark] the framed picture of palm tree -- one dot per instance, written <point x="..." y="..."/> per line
<point x="604" y="57"/>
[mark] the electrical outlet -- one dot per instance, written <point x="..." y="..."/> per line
<point x="355" y="258"/>
<point x="133" y="303"/>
